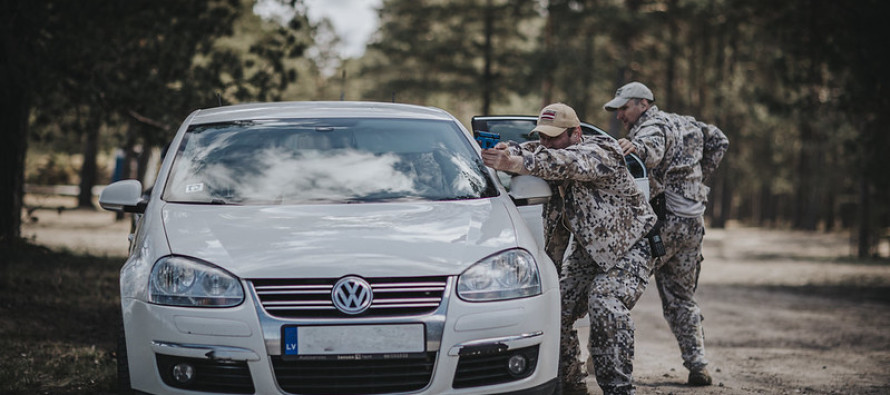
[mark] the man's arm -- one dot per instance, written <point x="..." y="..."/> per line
<point x="582" y="162"/>
<point x="649" y="144"/>
<point x="715" y="145"/>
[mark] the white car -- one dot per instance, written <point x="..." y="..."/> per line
<point x="333" y="248"/>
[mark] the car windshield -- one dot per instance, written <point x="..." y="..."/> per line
<point x="306" y="161"/>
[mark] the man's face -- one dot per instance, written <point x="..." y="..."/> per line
<point x="559" y="142"/>
<point x="630" y="112"/>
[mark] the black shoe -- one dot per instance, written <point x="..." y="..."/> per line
<point x="699" y="377"/>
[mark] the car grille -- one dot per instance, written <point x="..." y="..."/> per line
<point x="311" y="298"/>
<point x="491" y="368"/>
<point x="365" y="376"/>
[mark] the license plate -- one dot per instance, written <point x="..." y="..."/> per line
<point x="298" y="341"/>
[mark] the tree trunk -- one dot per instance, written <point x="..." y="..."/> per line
<point x="126" y="167"/>
<point x="15" y="108"/>
<point x="89" y="169"/>
<point x="806" y="208"/>
<point x="487" y="83"/>
<point x="142" y="162"/>
<point x="586" y="71"/>
<point x="767" y="214"/>
<point x="830" y="213"/>
<point x="614" y="123"/>
<point x="719" y="205"/>
<point x="864" y="243"/>
<point x="723" y="182"/>
<point x="547" y="82"/>
<point x="671" y="69"/>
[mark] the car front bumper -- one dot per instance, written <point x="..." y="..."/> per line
<point x="239" y="350"/>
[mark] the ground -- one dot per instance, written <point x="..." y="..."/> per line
<point x="785" y="312"/>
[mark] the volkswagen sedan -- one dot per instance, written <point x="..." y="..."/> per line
<point x="333" y="248"/>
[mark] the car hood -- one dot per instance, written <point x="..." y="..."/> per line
<point x="370" y="239"/>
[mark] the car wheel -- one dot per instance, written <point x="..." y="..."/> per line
<point x="123" y="364"/>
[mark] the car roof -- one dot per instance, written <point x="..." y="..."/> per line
<point x="522" y="117"/>
<point x="534" y="118"/>
<point x="317" y="109"/>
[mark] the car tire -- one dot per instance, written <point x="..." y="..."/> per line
<point x="123" y="364"/>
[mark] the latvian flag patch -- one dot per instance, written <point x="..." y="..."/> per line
<point x="548" y="115"/>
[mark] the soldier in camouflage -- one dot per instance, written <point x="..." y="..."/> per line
<point x="681" y="154"/>
<point x="595" y="227"/>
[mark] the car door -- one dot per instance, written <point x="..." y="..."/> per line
<point x="487" y="129"/>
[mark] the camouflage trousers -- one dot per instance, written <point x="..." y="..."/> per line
<point x="608" y="298"/>
<point x="676" y="277"/>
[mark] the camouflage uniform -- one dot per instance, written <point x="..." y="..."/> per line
<point x="681" y="154"/>
<point x="599" y="216"/>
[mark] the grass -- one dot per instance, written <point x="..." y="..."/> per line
<point x="59" y="316"/>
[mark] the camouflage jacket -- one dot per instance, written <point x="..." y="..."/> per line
<point x="594" y="198"/>
<point x="680" y="152"/>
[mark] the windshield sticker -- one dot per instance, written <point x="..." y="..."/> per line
<point x="192" y="188"/>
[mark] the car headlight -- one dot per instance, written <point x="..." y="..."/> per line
<point x="508" y="275"/>
<point x="181" y="281"/>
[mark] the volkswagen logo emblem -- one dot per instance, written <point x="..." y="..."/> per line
<point x="352" y="295"/>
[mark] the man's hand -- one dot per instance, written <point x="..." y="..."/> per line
<point x="626" y="146"/>
<point x="499" y="158"/>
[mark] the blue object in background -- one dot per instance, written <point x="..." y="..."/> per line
<point x="118" y="172"/>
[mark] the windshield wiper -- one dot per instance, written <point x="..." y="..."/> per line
<point x="213" y="202"/>
<point x="458" y="197"/>
<point x="382" y="198"/>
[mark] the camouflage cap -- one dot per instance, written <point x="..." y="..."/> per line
<point x="555" y="119"/>
<point x="633" y="90"/>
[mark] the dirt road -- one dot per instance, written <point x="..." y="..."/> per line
<point x="785" y="312"/>
<point x="782" y="316"/>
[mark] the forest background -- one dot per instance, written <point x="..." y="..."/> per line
<point x="798" y="86"/>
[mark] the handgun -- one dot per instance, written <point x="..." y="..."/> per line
<point x="487" y="139"/>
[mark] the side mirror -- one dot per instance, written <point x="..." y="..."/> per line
<point x="123" y="196"/>
<point x="529" y="190"/>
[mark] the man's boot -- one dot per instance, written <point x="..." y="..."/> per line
<point x="699" y="377"/>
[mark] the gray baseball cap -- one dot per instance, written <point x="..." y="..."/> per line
<point x="633" y="90"/>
